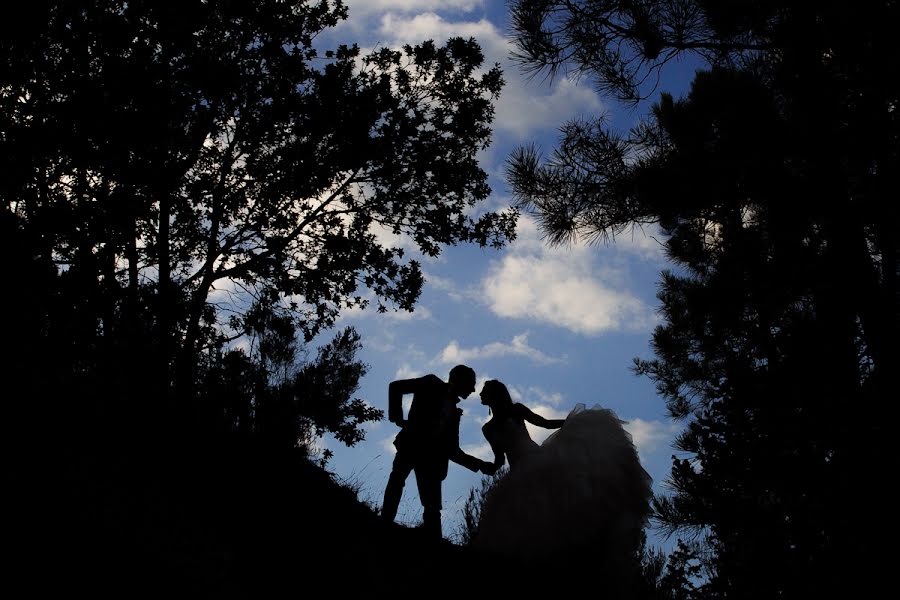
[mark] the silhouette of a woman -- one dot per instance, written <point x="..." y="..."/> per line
<point x="506" y="431"/>
<point x="582" y="490"/>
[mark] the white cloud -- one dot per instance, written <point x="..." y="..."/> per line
<point x="398" y="30"/>
<point x="515" y="394"/>
<point x="548" y="412"/>
<point x="650" y="435"/>
<point x="362" y="8"/>
<point x="452" y="289"/>
<point x="566" y="287"/>
<point x="534" y="395"/>
<point x="453" y="354"/>
<point x="407" y="372"/>
<point x="440" y="283"/>
<point x="554" y="291"/>
<point x="387" y="444"/>
<point x="421" y="313"/>
<point x="522" y="110"/>
<point x="552" y="398"/>
<point x="379" y="344"/>
<point x="480" y="419"/>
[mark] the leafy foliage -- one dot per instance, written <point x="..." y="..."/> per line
<point x="204" y="174"/>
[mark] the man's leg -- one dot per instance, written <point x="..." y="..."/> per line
<point x="394" y="490"/>
<point x="429" y="482"/>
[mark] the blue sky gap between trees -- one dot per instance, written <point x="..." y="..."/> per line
<point x="559" y="325"/>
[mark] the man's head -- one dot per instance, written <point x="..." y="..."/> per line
<point x="462" y="381"/>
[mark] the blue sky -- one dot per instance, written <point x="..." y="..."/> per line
<point x="559" y="326"/>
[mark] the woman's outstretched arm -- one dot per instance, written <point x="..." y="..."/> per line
<point x="535" y="419"/>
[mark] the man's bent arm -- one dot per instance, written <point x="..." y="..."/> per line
<point x="396" y="391"/>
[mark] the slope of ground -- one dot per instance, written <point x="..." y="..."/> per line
<point x="233" y="517"/>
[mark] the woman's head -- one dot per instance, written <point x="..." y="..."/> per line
<point x="495" y="395"/>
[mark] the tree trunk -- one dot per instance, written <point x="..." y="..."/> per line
<point x="163" y="296"/>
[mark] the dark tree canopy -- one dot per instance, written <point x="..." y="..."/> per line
<point x="775" y="181"/>
<point x="170" y="168"/>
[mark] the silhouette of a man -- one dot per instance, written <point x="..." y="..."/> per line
<point x="428" y="440"/>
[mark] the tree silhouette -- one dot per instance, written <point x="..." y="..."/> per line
<point x="179" y="167"/>
<point x="774" y="180"/>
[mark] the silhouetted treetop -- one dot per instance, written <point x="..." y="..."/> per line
<point x="174" y="154"/>
<point x="774" y="184"/>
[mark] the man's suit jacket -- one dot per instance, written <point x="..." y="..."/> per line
<point x="431" y="433"/>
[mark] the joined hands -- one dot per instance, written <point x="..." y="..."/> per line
<point x="487" y="468"/>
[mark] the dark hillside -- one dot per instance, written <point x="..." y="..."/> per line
<point x="234" y="518"/>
